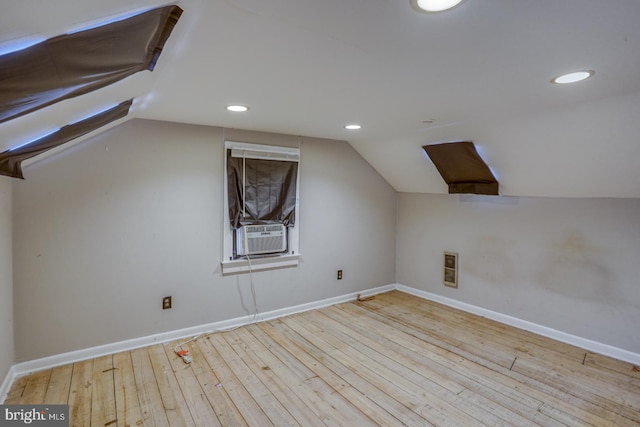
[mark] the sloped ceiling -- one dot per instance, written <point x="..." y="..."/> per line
<point x="480" y="72"/>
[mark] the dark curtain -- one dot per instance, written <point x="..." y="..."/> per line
<point x="462" y="168"/>
<point x="11" y="160"/>
<point x="269" y="191"/>
<point x="74" y="64"/>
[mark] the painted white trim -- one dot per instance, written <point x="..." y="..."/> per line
<point x="324" y="303"/>
<point x="257" y="264"/>
<point x="264" y="150"/>
<point x="6" y="384"/>
<point x="590" y="345"/>
<point x="230" y="266"/>
<point x="24" y="368"/>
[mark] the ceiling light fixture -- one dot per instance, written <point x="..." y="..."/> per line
<point x="353" y="127"/>
<point x="573" y="77"/>
<point x="432" y="6"/>
<point x="237" y="108"/>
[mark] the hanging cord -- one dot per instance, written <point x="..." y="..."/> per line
<point x="252" y="287"/>
<point x="244" y="213"/>
<point x="253" y="293"/>
<point x="244" y="186"/>
<point x="254" y="318"/>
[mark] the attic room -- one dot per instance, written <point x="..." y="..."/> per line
<point x="118" y="195"/>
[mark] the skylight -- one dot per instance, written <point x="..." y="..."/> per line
<point x="17" y="46"/>
<point x="11" y="160"/>
<point x="462" y="168"/>
<point x="74" y="64"/>
<point x="108" y="21"/>
<point x="24" y="144"/>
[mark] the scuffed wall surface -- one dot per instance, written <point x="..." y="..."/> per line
<point x="568" y="264"/>
<point x="6" y="280"/>
<point x="105" y="229"/>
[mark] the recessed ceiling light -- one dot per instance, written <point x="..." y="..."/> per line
<point x="434" y="5"/>
<point x="237" y="108"/>
<point x="573" y="77"/>
<point x="353" y="127"/>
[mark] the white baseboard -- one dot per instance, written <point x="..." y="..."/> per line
<point x="594" y="346"/>
<point x="24" y="368"/>
<point x="6" y="384"/>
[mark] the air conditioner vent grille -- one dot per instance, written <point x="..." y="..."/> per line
<point x="261" y="239"/>
<point x="263" y="228"/>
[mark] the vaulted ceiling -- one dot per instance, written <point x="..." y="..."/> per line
<point x="480" y="72"/>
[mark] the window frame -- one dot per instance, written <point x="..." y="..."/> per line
<point x="268" y="262"/>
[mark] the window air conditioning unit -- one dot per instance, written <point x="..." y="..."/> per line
<point x="261" y="239"/>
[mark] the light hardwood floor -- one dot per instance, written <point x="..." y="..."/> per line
<point x="393" y="360"/>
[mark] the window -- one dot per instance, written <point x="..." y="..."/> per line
<point x="260" y="194"/>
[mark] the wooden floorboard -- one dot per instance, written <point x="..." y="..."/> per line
<point x="391" y="361"/>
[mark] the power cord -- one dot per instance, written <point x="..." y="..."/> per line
<point x="184" y="354"/>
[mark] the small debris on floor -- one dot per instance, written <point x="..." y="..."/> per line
<point x="363" y="299"/>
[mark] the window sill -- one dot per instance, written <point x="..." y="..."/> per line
<point x="267" y="263"/>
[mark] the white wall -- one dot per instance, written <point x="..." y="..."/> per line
<point x="568" y="264"/>
<point x="105" y="229"/>
<point x="7" y="347"/>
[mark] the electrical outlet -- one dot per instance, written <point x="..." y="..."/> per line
<point x="339" y="275"/>
<point x="166" y="303"/>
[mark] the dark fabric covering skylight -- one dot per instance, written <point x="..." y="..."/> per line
<point x="11" y="160"/>
<point x="261" y="191"/>
<point x="462" y="168"/>
<point x="74" y="64"/>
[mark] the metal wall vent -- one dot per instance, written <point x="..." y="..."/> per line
<point x="451" y="269"/>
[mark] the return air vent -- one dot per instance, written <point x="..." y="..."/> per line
<point x="451" y="269"/>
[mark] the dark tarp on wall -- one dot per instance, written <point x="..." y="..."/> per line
<point x="11" y="160"/>
<point x="74" y="64"/>
<point x="269" y="191"/>
<point x="462" y="168"/>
